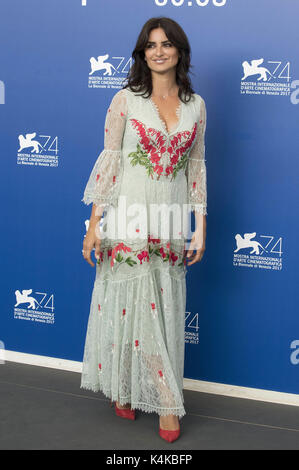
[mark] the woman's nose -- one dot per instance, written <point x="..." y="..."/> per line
<point x="159" y="51"/>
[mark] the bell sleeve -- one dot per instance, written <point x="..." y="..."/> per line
<point x="196" y="169"/>
<point x="103" y="185"/>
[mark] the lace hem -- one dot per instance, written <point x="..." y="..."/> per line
<point x="135" y="342"/>
<point x="103" y="186"/>
<point x="180" y="411"/>
<point x="200" y="208"/>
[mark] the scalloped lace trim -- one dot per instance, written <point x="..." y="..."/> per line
<point x="180" y="412"/>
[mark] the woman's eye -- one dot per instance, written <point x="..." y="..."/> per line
<point x="168" y="44"/>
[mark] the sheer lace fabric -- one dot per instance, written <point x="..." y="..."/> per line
<point x="196" y="170"/>
<point x="138" y="355"/>
<point x="134" y="348"/>
<point x="104" y="182"/>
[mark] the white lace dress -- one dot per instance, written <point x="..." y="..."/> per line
<point x="134" y="347"/>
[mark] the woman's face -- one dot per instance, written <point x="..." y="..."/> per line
<point x="160" y="55"/>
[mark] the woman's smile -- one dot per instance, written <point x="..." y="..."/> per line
<point x="160" y="51"/>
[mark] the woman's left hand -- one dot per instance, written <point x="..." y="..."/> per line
<point x="196" y="249"/>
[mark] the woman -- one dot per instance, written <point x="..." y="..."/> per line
<point x="154" y="153"/>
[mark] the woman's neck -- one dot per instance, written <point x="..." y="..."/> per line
<point x="164" y="85"/>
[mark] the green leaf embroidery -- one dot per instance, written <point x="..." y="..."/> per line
<point x="118" y="257"/>
<point x="141" y="157"/>
<point x="130" y="261"/>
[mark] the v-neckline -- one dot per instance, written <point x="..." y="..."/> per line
<point x="178" y="112"/>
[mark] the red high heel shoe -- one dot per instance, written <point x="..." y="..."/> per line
<point x="169" y="436"/>
<point x="124" y="412"/>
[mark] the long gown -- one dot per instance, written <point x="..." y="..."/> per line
<point x="134" y="346"/>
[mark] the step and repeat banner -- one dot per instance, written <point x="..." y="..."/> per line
<point x="61" y="62"/>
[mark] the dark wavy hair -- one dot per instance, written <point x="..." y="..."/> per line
<point x="139" y="78"/>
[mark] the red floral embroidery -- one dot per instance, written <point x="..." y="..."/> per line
<point x="161" y="377"/>
<point x="153" y="240"/>
<point x="153" y="147"/>
<point x="154" y="310"/>
<point x="119" y="247"/>
<point x="123" y="316"/>
<point x="143" y="255"/>
<point x="101" y="257"/>
<point x="173" y="258"/>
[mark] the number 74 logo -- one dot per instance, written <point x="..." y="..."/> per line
<point x="192" y="321"/>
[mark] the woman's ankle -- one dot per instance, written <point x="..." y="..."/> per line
<point x="169" y="422"/>
<point x="124" y="406"/>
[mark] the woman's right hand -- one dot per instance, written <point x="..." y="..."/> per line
<point x="91" y="241"/>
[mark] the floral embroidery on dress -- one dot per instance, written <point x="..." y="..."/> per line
<point x="161" y="377"/>
<point x="118" y="257"/>
<point x="100" y="310"/>
<point x="154" y="310"/>
<point x="155" y="247"/>
<point x="126" y="347"/>
<point x="153" y="145"/>
<point x="123" y="316"/>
